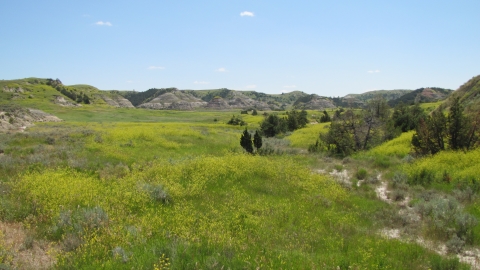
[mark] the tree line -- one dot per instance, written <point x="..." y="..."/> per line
<point x="455" y="131"/>
<point x="271" y="126"/>
<point x="71" y="93"/>
<point x="362" y="129"/>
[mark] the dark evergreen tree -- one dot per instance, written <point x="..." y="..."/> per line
<point x="302" y="119"/>
<point x="273" y="125"/>
<point x="406" y="118"/>
<point x="428" y="137"/>
<point x="325" y="117"/>
<point x="456" y="126"/>
<point x="338" y="140"/>
<point x="246" y="141"/>
<point x="254" y="112"/>
<point x="292" y="120"/>
<point x="257" y="140"/>
<point x="236" y="120"/>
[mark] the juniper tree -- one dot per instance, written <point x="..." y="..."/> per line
<point x="325" y="117"/>
<point x="456" y="126"/>
<point x="257" y="140"/>
<point x="246" y="141"/>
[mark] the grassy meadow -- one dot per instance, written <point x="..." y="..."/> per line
<point x="142" y="189"/>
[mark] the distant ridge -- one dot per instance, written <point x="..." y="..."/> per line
<point x="422" y="95"/>
<point x="43" y="91"/>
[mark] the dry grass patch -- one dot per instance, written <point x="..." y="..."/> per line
<point x="25" y="252"/>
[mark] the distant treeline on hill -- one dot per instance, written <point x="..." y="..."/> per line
<point x="70" y="92"/>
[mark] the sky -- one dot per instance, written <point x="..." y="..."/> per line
<point x="330" y="48"/>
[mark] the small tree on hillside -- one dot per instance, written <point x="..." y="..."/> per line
<point x="325" y="117"/>
<point x="257" y="140"/>
<point x="273" y="125"/>
<point x="302" y="119"/>
<point x="456" y="126"/>
<point x="246" y="141"/>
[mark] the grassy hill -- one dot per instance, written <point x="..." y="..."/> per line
<point x="422" y="95"/>
<point x="469" y="94"/>
<point x="48" y="94"/>
<point x="386" y="94"/>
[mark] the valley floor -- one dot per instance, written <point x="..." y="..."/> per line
<point x="178" y="192"/>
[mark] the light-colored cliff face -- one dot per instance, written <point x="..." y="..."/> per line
<point x="117" y="101"/>
<point x="19" y="119"/>
<point x="175" y="100"/>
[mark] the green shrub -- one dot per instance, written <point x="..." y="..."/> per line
<point x="236" y="121"/>
<point x="424" y="177"/>
<point x="382" y="162"/>
<point x="438" y="263"/>
<point x="361" y="174"/>
<point x="338" y="167"/>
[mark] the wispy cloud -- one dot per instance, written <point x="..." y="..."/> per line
<point x="290" y="86"/>
<point x="374" y="71"/>
<point x="247" y="14"/>
<point x="155" y="67"/>
<point x="200" y="82"/>
<point x="221" y="70"/>
<point x="251" y="86"/>
<point x="102" y="23"/>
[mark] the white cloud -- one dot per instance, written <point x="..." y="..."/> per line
<point x="102" y="23"/>
<point x="290" y="86"/>
<point x="221" y="70"/>
<point x="251" y="86"/>
<point x="200" y="82"/>
<point x="373" y="71"/>
<point x="155" y="67"/>
<point x="247" y="13"/>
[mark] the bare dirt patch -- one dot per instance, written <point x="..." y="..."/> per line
<point x="27" y="253"/>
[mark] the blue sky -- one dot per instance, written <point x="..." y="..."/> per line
<point x="330" y="48"/>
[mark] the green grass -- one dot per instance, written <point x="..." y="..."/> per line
<point x="398" y="147"/>
<point x="86" y="185"/>
<point x="307" y="136"/>
<point x="225" y="211"/>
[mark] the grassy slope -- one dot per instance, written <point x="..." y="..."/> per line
<point x="386" y="94"/>
<point x="469" y="94"/>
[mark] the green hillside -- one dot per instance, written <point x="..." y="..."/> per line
<point x="469" y="94"/>
<point x="422" y="95"/>
<point x="386" y="94"/>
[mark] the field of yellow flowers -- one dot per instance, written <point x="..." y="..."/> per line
<point x="184" y="195"/>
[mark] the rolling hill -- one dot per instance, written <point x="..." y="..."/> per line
<point x="469" y="94"/>
<point x="422" y="95"/>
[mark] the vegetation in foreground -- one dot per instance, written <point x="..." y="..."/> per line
<point x="183" y="195"/>
<point x="124" y="188"/>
